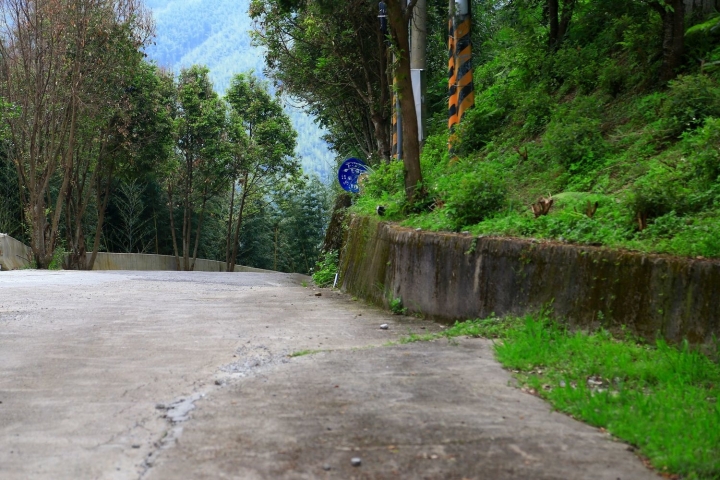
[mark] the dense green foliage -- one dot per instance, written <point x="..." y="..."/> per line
<point x="343" y="82"/>
<point x="663" y="400"/>
<point x="135" y="159"/>
<point x="217" y="35"/>
<point x="587" y="120"/>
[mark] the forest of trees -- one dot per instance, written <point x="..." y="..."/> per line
<point x="217" y="35"/>
<point x="595" y="122"/>
<point x="101" y="150"/>
<point x="608" y="108"/>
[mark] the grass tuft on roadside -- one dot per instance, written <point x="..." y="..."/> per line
<point x="302" y="353"/>
<point x="662" y="400"/>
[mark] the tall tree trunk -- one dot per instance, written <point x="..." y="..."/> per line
<point x="187" y="228"/>
<point x="238" y="226"/>
<point x="102" y="208"/>
<point x="178" y="266"/>
<point x="197" y="233"/>
<point x="559" y="21"/>
<point x="553" y="8"/>
<point x="229" y="229"/>
<point x="398" y="19"/>
<point x="672" y="13"/>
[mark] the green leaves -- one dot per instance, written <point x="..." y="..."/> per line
<point x="261" y="128"/>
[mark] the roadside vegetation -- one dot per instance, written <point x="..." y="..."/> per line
<point x="664" y="401"/>
<point x="108" y="152"/>
<point x="628" y="153"/>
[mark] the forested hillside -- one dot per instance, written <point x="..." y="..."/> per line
<point x="217" y="34"/>
<point x="595" y="122"/>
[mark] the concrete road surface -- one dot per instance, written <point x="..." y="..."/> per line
<point x="174" y="375"/>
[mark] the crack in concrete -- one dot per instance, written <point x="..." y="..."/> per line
<point x="176" y="413"/>
<point x="252" y="359"/>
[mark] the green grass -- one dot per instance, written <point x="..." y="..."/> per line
<point x="492" y="327"/>
<point x="662" y="400"/>
<point x="302" y="353"/>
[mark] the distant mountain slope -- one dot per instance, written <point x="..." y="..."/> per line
<point x="215" y="33"/>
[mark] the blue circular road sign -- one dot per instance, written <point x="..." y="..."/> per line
<point x="350" y="172"/>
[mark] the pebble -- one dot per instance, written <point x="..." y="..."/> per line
<point x="356" y="462"/>
<point x="327" y="467"/>
<point x="136" y="445"/>
<point x="562" y="383"/>
<point x="384" y="326"/>
<point x="219" y="382"/>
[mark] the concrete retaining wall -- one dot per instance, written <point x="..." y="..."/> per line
<point x="456" y="277"/>
<point x="13" y="253"/>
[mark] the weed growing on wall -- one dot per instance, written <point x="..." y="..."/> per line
<point x="396" y="306"/>
<point x="325" y="269"/>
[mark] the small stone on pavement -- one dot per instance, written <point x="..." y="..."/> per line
<point x="327" y="467"/>
<point x="356" y="462"/>
<point x="384" y="326"/>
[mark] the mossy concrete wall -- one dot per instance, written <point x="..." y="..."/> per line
<point x="450" y="277"/>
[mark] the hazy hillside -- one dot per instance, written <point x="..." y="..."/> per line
<point x="215" y="33"/>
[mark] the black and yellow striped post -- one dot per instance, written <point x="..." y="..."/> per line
<point x="465" y="88"/>
<point x="460" y="74"/>
<point x="452" y="80"/>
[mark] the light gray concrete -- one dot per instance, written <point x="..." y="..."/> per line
<point x="13" y="253"/>
<point x="147" y="262"/>
<point x="173" y="375"/>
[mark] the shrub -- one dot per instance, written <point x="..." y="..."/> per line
<point x="703" y="147"/>
<point x="661" y="191"/>
<point x="475" y="195"/>
<point x="535" y="110"/>
<point x="613" y="78"/>
<point x="386" y="178"/>
<point x="690" y="100"/>
<point x="574" y="139"/>
<point x="480" y="122"/>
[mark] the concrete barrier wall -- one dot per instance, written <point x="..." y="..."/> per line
<point x="13" y="253"/>
<point x="140" y="261"/>
<point x="456" y="277"/>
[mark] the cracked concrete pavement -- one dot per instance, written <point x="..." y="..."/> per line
<point x="165" y="375"/>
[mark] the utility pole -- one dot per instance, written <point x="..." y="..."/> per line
<point x="418" y="64"/>
<point x="397" y="138"/>
<point x="460" y="74"/>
